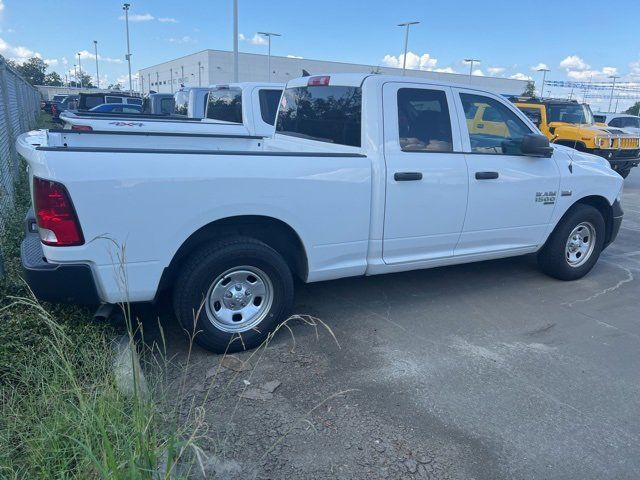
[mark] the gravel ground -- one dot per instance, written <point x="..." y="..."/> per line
<point x="483" y="371"/>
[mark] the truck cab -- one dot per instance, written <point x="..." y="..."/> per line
<point x="569" y="123"/>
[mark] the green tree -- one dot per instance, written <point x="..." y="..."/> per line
<point x="33" y="70"/>
<point x="634" y="109"/>
<point x="529" y="90"/>
<point x="115" y="86"/>
<point x="53" y="79"/>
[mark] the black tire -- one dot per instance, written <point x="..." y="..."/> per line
<point x="552" y="257"/>
<point x="208" y="263"/>
<point x="624" y="173"/>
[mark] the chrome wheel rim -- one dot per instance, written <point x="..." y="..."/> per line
<point x="239" y="299"/>
<point x="580" y="244"/>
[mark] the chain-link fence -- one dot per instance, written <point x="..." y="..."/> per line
<point x="19" y="106"/>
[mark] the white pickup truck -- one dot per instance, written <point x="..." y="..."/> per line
<point x="235" y="109"/>
<point x="366" y="174"/>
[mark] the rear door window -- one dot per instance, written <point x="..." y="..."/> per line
<point x="269" y="101"/>
<point x="109" y="99"/>
<point x="424" y="123"/>
<point x="225" y="105"/>
<point x="91" y="102"/>
<point x="331" y="114"/>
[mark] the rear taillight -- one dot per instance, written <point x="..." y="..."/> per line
<point x="81" y="128"/>
<point x="57" y="220"/>
<point x="54" y="109"/>
<point x="319" y="81"/>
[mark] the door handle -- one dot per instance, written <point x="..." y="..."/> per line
<point x="486" y="175"/>
<point x="407" y="176"/>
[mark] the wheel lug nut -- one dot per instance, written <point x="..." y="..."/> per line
<point x="238" y="288"/>
<point x="247" y="293"/>
<point x="228" y="295"/>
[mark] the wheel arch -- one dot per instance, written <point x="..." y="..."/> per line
<point x="601" y="204"/>
<point x="274" y="232"/>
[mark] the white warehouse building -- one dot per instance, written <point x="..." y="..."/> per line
<point x="216" y="66"/>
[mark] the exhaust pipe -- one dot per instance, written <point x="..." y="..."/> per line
<point x="103" y="313"/>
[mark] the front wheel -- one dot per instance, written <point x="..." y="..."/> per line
<point x="575" y="245"/>
<point x="233" y="293"/>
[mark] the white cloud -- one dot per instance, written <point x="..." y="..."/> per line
<point x="255" y="40"/>
<point x="414" y="62"/>
<point x="444" y="70"/>
<point x="574" y="62"/>
<point x="520" y="76"/>
<point x="51" y="62"/>
<point x="1" y="6"/>
<point x="540" y="66"/>
<point x="241" y="37"/>
<point x="85" y="54"/>
<point x="167" y="20"/>
<point x="495" y="70"/>
<point x="293" y="56"/>
<point x="139" y="17"/>
<point x="182" y="40"/>
<point x="18" y="53"/>
<point x="477" y="73"/>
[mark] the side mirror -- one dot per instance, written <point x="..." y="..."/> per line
<point x="536" y="145"/>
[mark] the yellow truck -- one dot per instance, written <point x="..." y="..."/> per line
<point x="567" y="122"/>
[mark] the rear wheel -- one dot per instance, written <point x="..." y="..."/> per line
<point x="233" y="293"/>
<point x="575" y="245"/>
<point x="625" y="172"/>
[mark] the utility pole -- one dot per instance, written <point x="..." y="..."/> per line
<point x="80" y="69"/>
<point x="95" y="44"/>
<point x="544" y="76"/>
<point x="613" y="85"/>
<point x="269" y="35"/>
<point x="235" y="41"/>
<point x="125" y="7"/>
<point x="471" y="61"/>
<point x="406" y="43"/>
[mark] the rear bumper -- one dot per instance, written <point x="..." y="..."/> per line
<point x="55" y="283"/>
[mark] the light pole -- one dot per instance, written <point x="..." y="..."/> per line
<point x="75" y="73"/>
<point x="95" y="44"/>
<point x="80" y="70"/>
<point x="171" y="78"/>
<point x="181" y="76"/>
<point x="235" y="41"/>
<point x="158" y="81"/>
<point x="199" y="73"/>
<point x="406" y="43"/>
<point x="125" y="7"/>
<point x="269" y="35"/>
<point x="613" y="85"/>
<point x="544" y="76"/>
<point x="471" y="61"/>
<point x="149" y="81"/>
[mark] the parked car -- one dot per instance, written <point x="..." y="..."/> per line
<point x="46" y="104"/>
<point x="629" y="123"/>
<point x="70" y="102"/>
<point x="365" y="174"/>
<point x="89" y="100"/>
<point x="117" y="108"/>
<point x="567" y="122"/>
<point x="246" y="109"/>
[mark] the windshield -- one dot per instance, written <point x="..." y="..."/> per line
<point x="575" y="113"/>
<point x="59" y="98"/>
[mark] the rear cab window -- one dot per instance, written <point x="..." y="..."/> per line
<point x="181" y="100"/>
<point x="324" y="113"/>
<point x="269" y="101"/>
<point x="225" y="105"/>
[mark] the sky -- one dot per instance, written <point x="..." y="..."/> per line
<point x="512" y="38"/>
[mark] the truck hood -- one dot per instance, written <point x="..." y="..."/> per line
<point x="585" y="160"/>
